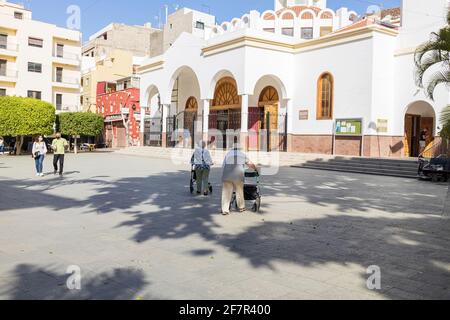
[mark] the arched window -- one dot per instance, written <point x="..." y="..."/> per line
<point x="325" y="93"/>
<point x="226" y="94"/>
<point x="191" y="105"/>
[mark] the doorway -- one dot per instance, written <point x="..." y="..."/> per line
<point x="420" y="118"/>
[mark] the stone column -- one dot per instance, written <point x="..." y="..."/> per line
<point x="205" y="124"/>
<point x="165" y="115"/>
<point x="244" y="122"/>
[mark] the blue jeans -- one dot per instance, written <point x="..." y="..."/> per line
<point x="39" y="161"/>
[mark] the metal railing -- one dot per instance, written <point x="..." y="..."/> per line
<point x="10" y="73"/>
<point x="66" y="55"/>
<point x="66" y="107"/>
<point x="9" y="46"/>
<point x="436" y="148"/>
<point x="66" y="80"/>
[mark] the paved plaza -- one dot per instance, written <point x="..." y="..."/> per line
<point x="131" y="226"/>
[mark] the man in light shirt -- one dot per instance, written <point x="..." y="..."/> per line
<point x="59" y="146"/>
<point x="233" y="178"/>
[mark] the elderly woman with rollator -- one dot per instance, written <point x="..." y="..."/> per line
<point x="202" y="162"/>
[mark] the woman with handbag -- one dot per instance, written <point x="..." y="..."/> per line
<point x="39" y="152"/>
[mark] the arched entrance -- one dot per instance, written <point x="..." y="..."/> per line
<point x="263" y="120"/>
<point x="153" y="121"/>
<point x="420" y="120"/>
<point x="190" y="116"/>
<point x="225" y="113"/>
<point x="181" y="127"/>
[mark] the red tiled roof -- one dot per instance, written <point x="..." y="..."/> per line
<point x="366" y="21"/>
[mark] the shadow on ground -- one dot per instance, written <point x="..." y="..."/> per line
<point x="412" y="252"/>
<point x="44" y="283"/>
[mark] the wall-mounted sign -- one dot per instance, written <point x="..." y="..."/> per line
<point x="125" y="110"/>
<point x="304" y="115"/>
<point x="349" y="127"/>
<point x="382" y="125"/>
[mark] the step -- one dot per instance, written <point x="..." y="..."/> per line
<point x="363" y="165"/>
<point x="377" y="173"/>
<point x="400" y="170"/>
<point x="354" y="167"/>
<point x="377" y="161"/>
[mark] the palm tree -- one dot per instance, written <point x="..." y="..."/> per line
<point x="433" y="60"/>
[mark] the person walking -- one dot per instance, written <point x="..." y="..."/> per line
<point x="233" y="178"/>
<point x="39" y="152"/>
<point x="59" y="146"/>
<point x="202" y="162"/>
<point x="2" y="146"/>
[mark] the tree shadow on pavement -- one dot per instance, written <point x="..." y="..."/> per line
<point x="410" y="245"/>
<point x="29" y="282"/>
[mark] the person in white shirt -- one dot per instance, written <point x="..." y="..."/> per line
<point x="202" y="162"/>
<point x="39" y="152"/>
<point x="233" y="178"/>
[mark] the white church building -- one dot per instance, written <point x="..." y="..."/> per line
<point x="299" y="78"/>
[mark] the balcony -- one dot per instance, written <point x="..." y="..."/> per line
<point x="9" y="49"/>
<point x="8" y="75"/>
<point x="66" y="108"/>
<point x="66" y="82"/>
<point x="67" y="58"/>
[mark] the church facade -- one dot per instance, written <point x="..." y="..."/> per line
<point x="299" y="78"/>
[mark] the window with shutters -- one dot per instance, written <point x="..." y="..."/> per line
<point x="34" y="94"/>
<point x="35" y="42"/>
<point x="3" y="41"/>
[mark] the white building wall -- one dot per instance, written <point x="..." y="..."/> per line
<point x="352" y="85"/>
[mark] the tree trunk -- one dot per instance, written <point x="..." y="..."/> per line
<point x="18" y="145"/>
<point x="75" y="149"/>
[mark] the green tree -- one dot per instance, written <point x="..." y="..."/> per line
<point x="432" y="61"/>
<point x="20" y="117"/>
<point x="80" y="124"/>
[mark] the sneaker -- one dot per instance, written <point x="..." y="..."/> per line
<point x="42" y="174"/>
<point x="225" y="213"/>
<point x="38" y="174"/>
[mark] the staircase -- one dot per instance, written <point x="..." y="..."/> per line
<point x="373" y="166"/>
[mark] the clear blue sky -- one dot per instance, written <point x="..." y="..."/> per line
<point x="98" y="13"/>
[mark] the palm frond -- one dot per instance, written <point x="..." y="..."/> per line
<point x="439" y="77"/>
<point x="445" y="115"/>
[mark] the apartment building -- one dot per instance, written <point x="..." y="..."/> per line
<point x="38" y="59"/>
<point x="119" y="36"/>
<point x="186" y="20"/>
<point x="118" y="64"/>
